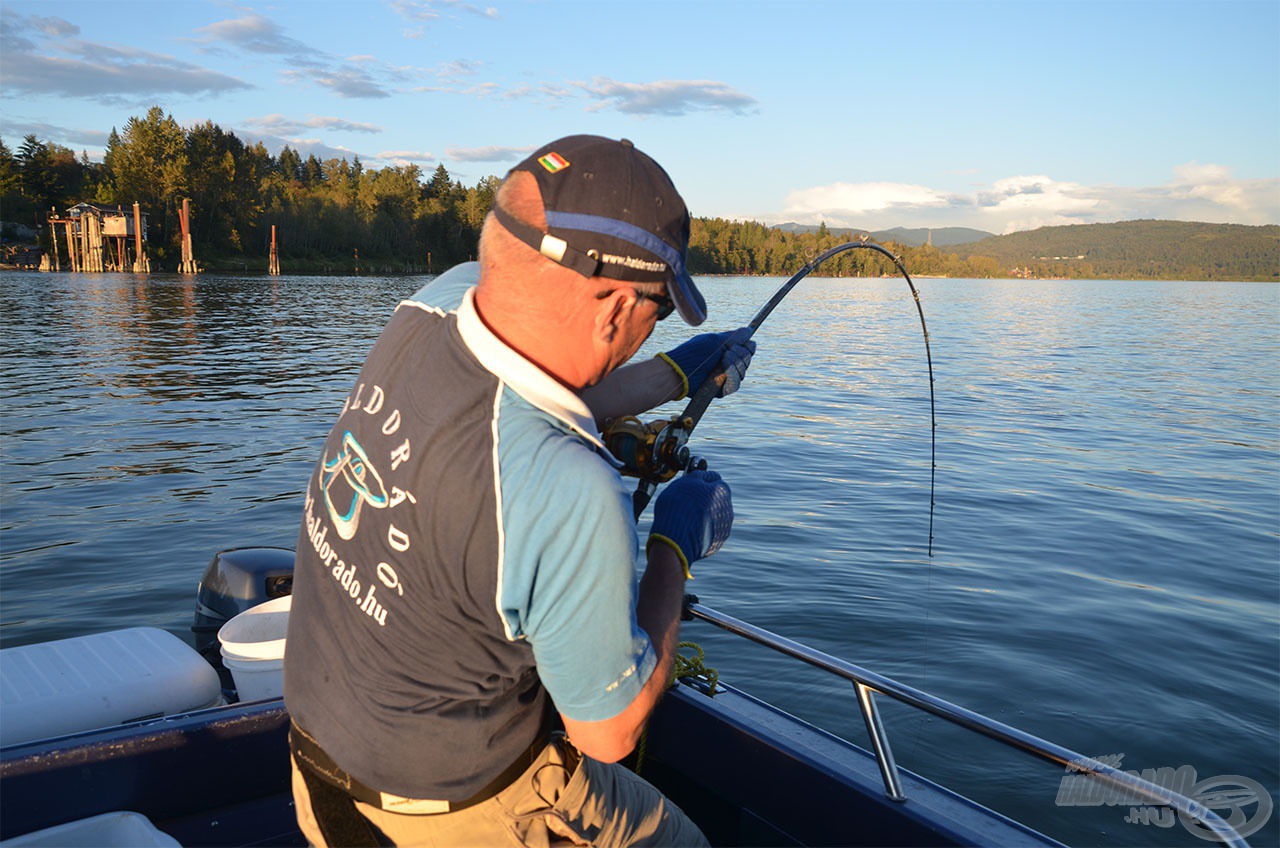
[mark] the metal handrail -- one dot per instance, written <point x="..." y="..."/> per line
<point x="867" y="683"/>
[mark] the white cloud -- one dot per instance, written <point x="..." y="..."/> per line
<point x="253" y="33"/>
<point x="484" y="89"/>
<point x="111" y="82"/>
<point x="278" y="124"/>
<point x="67" y="136"/>
<point x="405" y="157"/>
<point x="1028" y="202"/>
<point x="666" y="97"/>
<point x="555" y="92"/>
<point x="419" y="13"/>
<point x="1253" y="201"/>
<point x="304" y="146"/>
<point x="486" y="154"/>
<point x="350" y="82"/>
<point x="54" y="27"/>
<point x="102" y="72"/>
<point x="457" y="68"/>
<point x="415" y="10"/>
<point x="356" y="77"/>
<point x="1194" y="193"/>
<point x="860" y="198"/>
<point x="662" y="97"/>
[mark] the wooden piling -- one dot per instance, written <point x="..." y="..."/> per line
<point x="96" y="263"/>
<point x="53" y="237"/>
<point x="188" y="263"/>
<point x="82" y="247"/>
<point x="71" y="248"/>
<point x="141" y="264"/>
<point x="273" y="267"/>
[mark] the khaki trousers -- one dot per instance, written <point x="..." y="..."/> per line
<point x="551" y="804"/>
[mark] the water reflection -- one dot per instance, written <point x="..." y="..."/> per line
<point x="1093" y="438"/>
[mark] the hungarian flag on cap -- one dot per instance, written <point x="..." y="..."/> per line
<point x="554" y="162"/>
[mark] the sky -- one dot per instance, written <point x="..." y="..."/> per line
<point x="999" y="116"/>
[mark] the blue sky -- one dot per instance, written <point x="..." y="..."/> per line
<point x="999" y="116"/>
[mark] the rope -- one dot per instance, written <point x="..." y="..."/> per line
<point x="694" y="667"/>
<point x="683" y="667"/>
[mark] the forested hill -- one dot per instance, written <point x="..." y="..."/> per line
<point x="1125" y="250"/>
<point x="1137" y="250"/>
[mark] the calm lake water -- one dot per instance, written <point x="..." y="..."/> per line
<point x="1106" y="568"/>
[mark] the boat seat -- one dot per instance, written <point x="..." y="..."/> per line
<point x="101" y="680"/>
<point x="109" y="830"/>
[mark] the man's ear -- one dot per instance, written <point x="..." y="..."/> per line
<point x="613" y="312"/>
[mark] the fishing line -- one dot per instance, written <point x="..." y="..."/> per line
<point x="657" y="451"/>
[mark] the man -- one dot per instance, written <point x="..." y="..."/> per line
<point x="465" y="572"/>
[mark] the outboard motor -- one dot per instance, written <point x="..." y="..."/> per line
<point x="236" y="580"/>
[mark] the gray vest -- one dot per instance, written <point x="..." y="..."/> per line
<point x="397" y="662"/>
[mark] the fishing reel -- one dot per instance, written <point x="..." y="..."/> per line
<point x="654" y="452"/>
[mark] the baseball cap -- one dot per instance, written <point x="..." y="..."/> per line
<point x="611" y="212"/>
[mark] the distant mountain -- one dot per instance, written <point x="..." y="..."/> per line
<point x="911" y="237"/>
<point x="941" y="237"/>
<point x="1138" y="249"/>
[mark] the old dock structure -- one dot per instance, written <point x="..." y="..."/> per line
<point x="99" y="238"/>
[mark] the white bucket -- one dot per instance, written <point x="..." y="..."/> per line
<point x="253" y="649"/>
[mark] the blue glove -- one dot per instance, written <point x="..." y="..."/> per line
<point x="693" y="516"/>
<point x="696" y="359"/>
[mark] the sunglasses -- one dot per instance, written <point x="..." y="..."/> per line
<point x="665" y="304"/>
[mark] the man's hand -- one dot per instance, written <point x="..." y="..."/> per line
<point x="698" y="358"/>
<point x="693" y="516"/>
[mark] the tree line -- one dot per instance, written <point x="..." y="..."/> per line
<point x="1127" y="250"/>
<point x="331" y="213"/>
<point x="717" y="246"/>
<point x="337" y="214"/>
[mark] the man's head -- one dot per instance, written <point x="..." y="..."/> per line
<point x="586" y="231"/>
<point x="609" y="211"/>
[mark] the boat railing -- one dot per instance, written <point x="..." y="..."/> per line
<point x="867" y="684"/>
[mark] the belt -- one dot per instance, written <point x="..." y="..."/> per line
<point x="312" y="758"/>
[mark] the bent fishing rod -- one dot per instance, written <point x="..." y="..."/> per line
<point x="657" y="451"/>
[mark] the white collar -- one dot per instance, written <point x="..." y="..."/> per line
<point x="526" y="379"/>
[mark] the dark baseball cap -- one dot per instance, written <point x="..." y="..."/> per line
<point x="611" y="212"/>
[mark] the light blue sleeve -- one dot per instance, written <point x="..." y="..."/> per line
<point x="446" y="291"/>
<point x="569" y="580"/>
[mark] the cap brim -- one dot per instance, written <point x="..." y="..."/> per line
<point x="689" y="302"/>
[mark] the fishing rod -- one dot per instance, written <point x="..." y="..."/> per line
<point x="657" y="451"/>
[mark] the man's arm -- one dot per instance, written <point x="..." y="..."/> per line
<point x="672" y="375"/>
<point x="633" y="389"/>
<point x="658" y="612"/>
<point x="691" y="520"/>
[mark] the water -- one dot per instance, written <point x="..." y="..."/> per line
<point x="1108" y="503"/>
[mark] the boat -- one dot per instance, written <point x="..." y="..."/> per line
<point x="747" y="772"/>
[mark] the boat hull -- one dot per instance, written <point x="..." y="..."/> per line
<point x="747" y="772"/>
